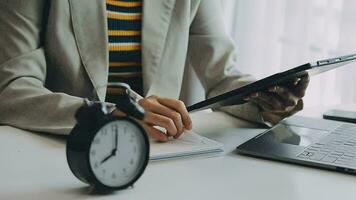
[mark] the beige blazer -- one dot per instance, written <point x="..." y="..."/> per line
<point x="54" y="54"/>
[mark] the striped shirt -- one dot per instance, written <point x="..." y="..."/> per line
<point x="124" y="38"/>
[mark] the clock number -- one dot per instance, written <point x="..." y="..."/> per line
<point x="96" y="141"/>
<point x="113" y="176"/>
<point x="96" y="166"/>
<point x="125" y="172"/>
<point x="93" y="153"/>
<point x="114" y="128"/>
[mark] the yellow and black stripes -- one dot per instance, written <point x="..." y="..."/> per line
<point x="124" y="19"/>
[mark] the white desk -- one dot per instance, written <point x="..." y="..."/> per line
<point x="34" y="167"/>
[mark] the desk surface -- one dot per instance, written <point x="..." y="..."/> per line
<point x="34" y="166"/>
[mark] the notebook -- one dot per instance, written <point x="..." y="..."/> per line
<point x="188" y="145"/>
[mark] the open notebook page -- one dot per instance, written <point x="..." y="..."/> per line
<point x="188" y="145"/>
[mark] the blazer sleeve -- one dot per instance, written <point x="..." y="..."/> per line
<point x="24" y="100"/>
<point x="211" y="52"/>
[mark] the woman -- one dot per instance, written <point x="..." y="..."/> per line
<point x="54" y="54"/>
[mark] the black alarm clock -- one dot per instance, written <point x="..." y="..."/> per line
<point x="105" y="151"/>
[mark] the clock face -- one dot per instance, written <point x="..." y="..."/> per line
<point x="117" y="153"/>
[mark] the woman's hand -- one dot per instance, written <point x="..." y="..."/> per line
<point x="164" y="112"/>
<point x="281" y="101"/>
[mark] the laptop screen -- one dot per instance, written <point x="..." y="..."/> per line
<point x="294" y="135"/>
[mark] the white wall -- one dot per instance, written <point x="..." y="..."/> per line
<point x="274" y="35"/>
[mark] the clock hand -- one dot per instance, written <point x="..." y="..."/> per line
<point x="106" y="158"/>
<point x="113" y="151"/>
<point x="116" y="137"/>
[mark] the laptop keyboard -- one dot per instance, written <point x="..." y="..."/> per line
<point x="337" y="148"/>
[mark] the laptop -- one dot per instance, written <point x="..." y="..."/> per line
<point x="237" y="96"/>
<point x="307" y="141"/>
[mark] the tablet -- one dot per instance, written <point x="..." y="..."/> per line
<point x="237" y="96"/>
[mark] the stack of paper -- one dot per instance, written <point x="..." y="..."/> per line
<point x="189" y="144"/>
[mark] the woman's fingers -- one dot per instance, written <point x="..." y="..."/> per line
<point x="152" y="105"/>
<point x="151" y="131"/>
<point x="276" y="104"/>
<point x="281" y="101"/>
<point x="269" y="99"/>
<point x="154" y="119"/>
<point x="160" y="109"/>
<point x="176" y="117"/>
<point x="167" y="113"/>
<point x="287" y="97"/>
<point x="264" y="105"/>
<point x="178" y="106"/>
<point x="155" y="133"/>
<point x="300" y="88"/>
